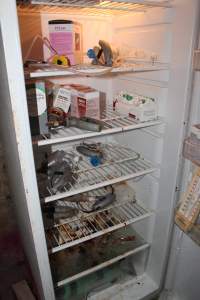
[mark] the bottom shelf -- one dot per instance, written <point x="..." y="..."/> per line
<point x="104" y="279"/>
<point x="138" y="287"/>
<point x="79" y="261"/>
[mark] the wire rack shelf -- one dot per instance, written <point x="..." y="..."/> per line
<point x="89" y="226"/>
<point x="121" y="164"/>
<point x="113" y="122"/>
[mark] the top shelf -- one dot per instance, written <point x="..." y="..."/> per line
<point x="38" y="71"/>
<point x="94" y="7"/>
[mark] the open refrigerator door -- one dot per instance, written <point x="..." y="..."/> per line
<point x="106" y="134"/>
<point x="182" y="271"/>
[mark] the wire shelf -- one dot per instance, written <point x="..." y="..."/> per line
<point x="45" y="71"/>
<point x="113" y="122"/>
<point x="90" y="226"/>
<point x="93" y="7"/>
<point x="121" y="164"/>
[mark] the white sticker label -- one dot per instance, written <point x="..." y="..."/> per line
<point x="63" y="99"/>
<point x="36" y="99"/>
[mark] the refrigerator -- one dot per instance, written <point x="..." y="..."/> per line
<point x="130" y="249"/>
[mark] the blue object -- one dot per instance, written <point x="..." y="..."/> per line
<point x="95" y="161"/>
<point x="91" y="54"/>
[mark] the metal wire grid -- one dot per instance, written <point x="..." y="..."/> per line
<point x="89" y="11"/>
<point x="113" y="153"/>
<point x="79" y="230"/>
<point x="84" y="3"/>
<point x="113" y="122"/>
<point x="104" y="175"/>
<point x="93" y="7"/>
<point x="40" y="71"/>
<point x="94" y="193"/>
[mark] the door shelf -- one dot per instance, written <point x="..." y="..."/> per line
<point x="45" y="71"/>
<point x="121" y="164"/>
<point x="95" y="255"/>
<point x="90" y="226"/>
<point x="113" y="122"/>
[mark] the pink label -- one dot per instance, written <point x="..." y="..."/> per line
<point x="62" y="42"/>
<point x="81" y="107"/>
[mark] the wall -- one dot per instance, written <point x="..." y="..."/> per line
<point x="30" y="27"/>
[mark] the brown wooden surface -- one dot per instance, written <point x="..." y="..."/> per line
<point x="22" y="291"/>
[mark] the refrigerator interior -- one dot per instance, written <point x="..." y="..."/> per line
<point x="142" y="35"/>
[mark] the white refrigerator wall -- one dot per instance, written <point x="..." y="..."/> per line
<point x="182" y="282"/>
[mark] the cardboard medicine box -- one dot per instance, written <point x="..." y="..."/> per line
<point x="140" y="107"/>
<point x="85" y="101"/>
<point x="66" y="37"/>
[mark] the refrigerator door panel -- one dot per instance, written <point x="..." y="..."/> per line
<point x="18" y="148"/>
<point x="183" y="267"/>
<point x="183" y="273"/>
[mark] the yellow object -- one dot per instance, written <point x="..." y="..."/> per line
<point x="189" y="208"/>
<point x="61" y="60"/>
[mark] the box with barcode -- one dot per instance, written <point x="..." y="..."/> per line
<point x="62" y="98"/>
